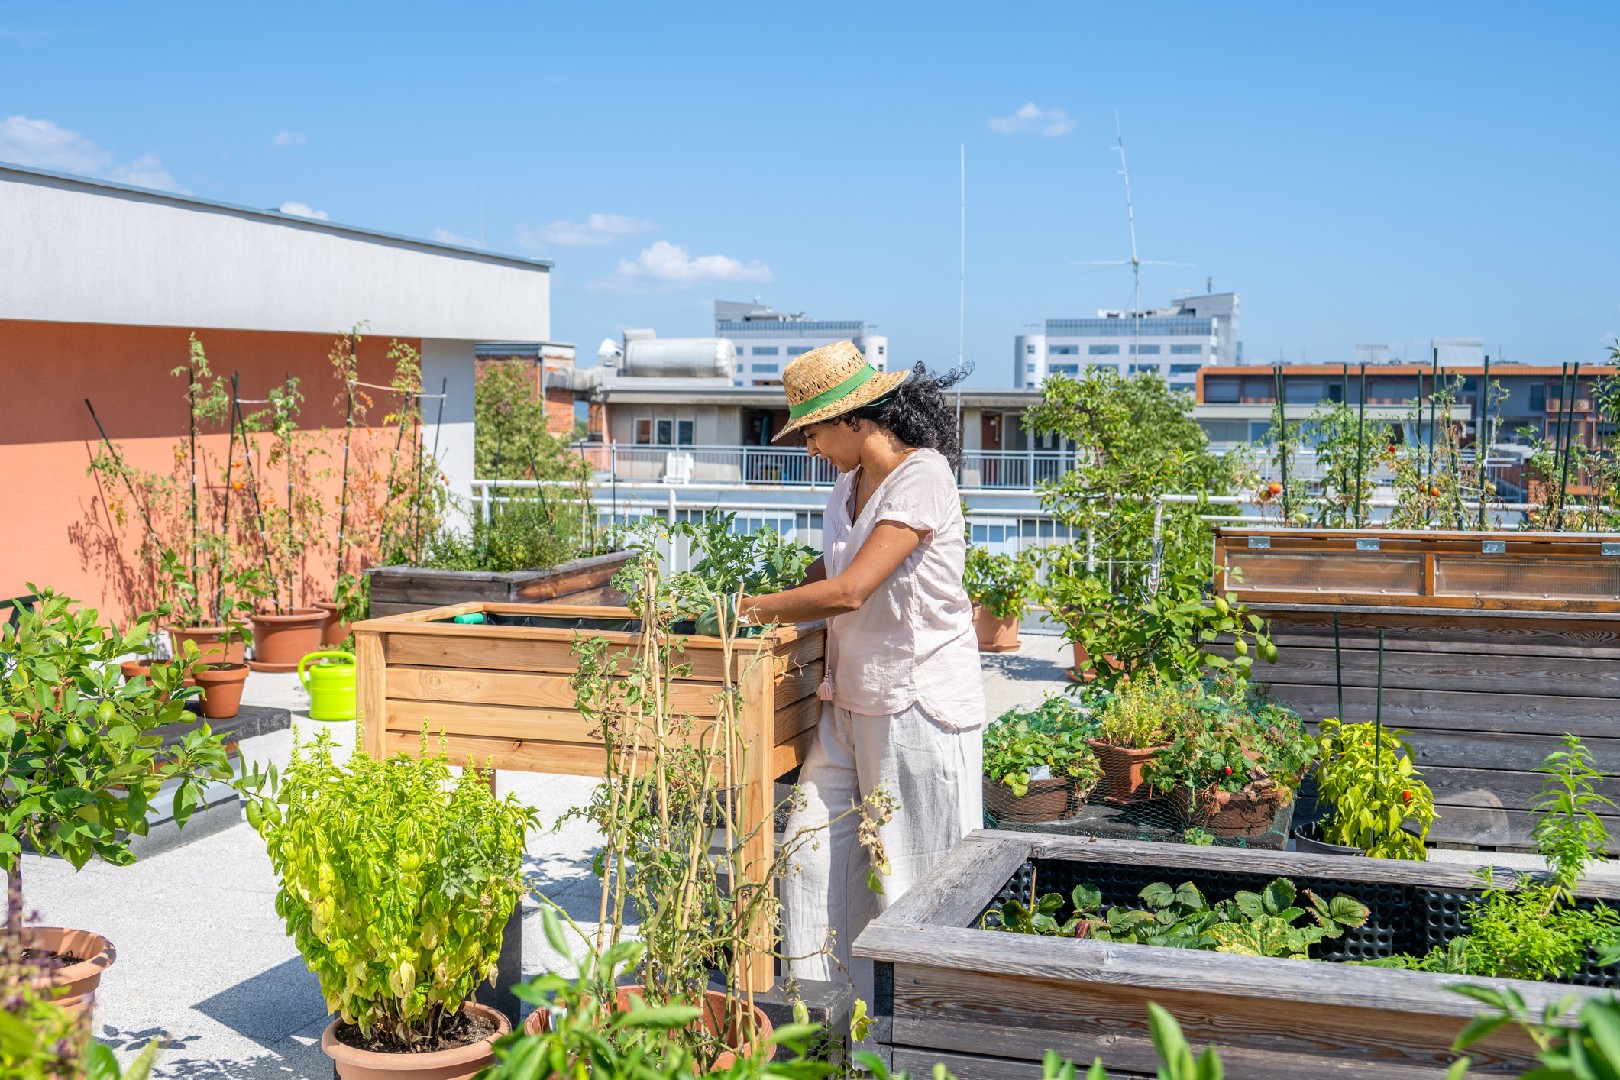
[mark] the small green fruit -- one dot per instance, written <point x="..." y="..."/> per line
<point x="1221" y="606"/>
<point x="75" y="735"/>
<point x="1270" y="653"/>
<point x="1240" y="647"/>
<point x="104" y="713"/>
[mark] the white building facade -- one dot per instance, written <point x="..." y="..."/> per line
<point x="766" y="339"/>
<point x="1173" y="342"/>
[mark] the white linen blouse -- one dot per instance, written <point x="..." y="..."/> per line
<point x="912" y="642"/>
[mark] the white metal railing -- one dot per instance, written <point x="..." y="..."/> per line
<point x="1017" y="470"/>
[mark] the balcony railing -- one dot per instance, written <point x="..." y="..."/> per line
<point x="1008" y="470"/>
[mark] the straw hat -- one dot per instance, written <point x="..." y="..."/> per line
<point x="830" y="381"/>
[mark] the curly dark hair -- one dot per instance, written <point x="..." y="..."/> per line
<point x="918" y="412"/>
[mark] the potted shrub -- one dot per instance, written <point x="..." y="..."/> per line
<point x="1036" y="774"/>
<point x="79" y="763"/>
<point x="999" y="586"/>
<point x="397" y="880"/>
<point x="1136" y="721"/>
<point x="1380" y="806"/>
<point x="1233" y="770"/>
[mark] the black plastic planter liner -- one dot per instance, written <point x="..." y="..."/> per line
<point x="1402" y="918"/>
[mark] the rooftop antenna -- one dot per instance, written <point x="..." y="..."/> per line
<point x="961" y="298"/>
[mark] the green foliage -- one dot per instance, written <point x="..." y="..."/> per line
<point x="1374" y="789"/>
<point x="1058" y="712"/>
<point x="1234" y="741"/>
<point x="78" y="757"/>
<point x="1001" y="583"/>
<point x="1144" y="712"/>
<point x="1535" y="930"/>
<point x="1433" y="483"/>
<point x="39" y="1040"/>
<point x="1349" y="451"/>
<point x="396" y="882"/>
<point x="1016" y="749"/>
<point x="1264" y="923"/>
<point x="726" y="563"/>
<point x="1585" y="1047"/>
<point x="526" y="530"/>
<point x="510" y="437"/>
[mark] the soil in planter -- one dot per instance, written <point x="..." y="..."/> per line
<point x="44" y="957"/>
<point x="464" y="1030"/>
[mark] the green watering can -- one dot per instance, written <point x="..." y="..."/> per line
<point x="330" y="684"/>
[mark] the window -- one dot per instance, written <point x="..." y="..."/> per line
<point x="1538" y="397"/>
<point x="1145" y="350"/>
<point x="1137" y="369"/>
<point x="1065" y="350"/>
<point x="1184" y="369"/>
<point x="796" y="350"/>
<point x="1221" y="391"/>
<point x="1186" y="350"/>
<point x="766" y="350"/>
<point x="1029" y="369"/>
<point x="1064" y="369"/>
<point x="1029" y="350"/>
<point x="644" y="431"/>
<point x="666" y="433"/>
<point x="685" y="432"/>
<point x="1186" y="387"/>
<point x="880" y="350"/>
<point x="1259" y="429"/>
<point x="1102" y="350"/>
<point x="771" y="367"/>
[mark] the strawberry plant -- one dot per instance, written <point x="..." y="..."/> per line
<point x="1239" y="742"/>
<point x="396" y="883"/>
<point x="1016" y="751"/>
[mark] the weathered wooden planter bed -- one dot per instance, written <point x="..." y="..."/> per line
<point x="500" y="693"/>
<point x="396" y="590"/>
<point x="988" y="1003"/>
<point x="1495" y="644"/>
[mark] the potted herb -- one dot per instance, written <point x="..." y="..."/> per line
<point x="1380" y="805"/>
<point x="999" y="585"/>
<point x="397" y="880"/>
<point x="79" y="762"/>
<point x="1136" y="721"/>
<point x="1034" y="772"/>
<point x="1233" y="770"/>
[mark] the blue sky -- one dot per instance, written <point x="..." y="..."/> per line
<point x="1368" y="173"/>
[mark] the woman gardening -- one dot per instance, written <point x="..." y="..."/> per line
<point x="903" y="702"/>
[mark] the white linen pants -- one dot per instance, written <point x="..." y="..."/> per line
<point x="933" y="772"/>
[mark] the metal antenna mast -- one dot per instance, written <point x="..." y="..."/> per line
<point x="961" y="299"/>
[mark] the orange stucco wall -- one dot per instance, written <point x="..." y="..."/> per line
<point x="54" y="526"/>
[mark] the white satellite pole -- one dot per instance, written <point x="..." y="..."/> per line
<point x="961" y="298"/>
<point x="1136" y="263"/>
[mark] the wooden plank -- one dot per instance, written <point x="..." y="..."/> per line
<point x="789" y="754"/>
<point x="920" y="1063"/>
<point x="502" y="721"/>
<point x="1558" y="676"/>
<point x="1499" y="790"/>
<point x="1290" y="864"/>
<point x="953" y="893"/>
<point x="1261" y="1034"/>
<point x="1489" y="750"/>
<point x="560" y="759"/>
<point x="757" y="724"/>
<point x="1475" y="633"/>
<point x="1393" y="599"/>
<point x="527" y="689"/>
<point x="796" y="717"/>
<point x="370" y="708"/>
<point x="1510" y="829"/>
<point x="1455" y="710"/>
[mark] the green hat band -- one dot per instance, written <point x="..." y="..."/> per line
<point x="827" y="397"/>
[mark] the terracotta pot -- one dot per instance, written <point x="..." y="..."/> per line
<point x="334" y="631"/>
<point x="1047" y="800"/>
<point x="1122" y="782"/>
<point x="1084" y="670"/>
<point x="996" y="635"/>
<point x="210" y="646"/>
<point x="75" y="982"/>
<point x="222" y="689"/>
<point x="135" y="669"/>
<point x="1228" y="814"/>
<point x="718" y="1010"/>
<point x="459" y="1063"/>
<point x="280" y="641"/>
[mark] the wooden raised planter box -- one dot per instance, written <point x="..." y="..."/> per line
<point x="396" y="590"/>
<point x="500" y="693"/>
<point x="1484" y="685"/>
<point x="988" y="1003"/>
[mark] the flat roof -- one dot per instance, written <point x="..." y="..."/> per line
<point x="771" y="396"/>
<point x="1413" y="368"/>
<point x="277" y="217"/>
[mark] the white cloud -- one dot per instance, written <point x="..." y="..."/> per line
<point x="1031" y="117"/>
<point x="298" y="209"/>
<point x="667" y="265"/>
<point x="595" y="229"/>
<point x="43" y="144"/>
<point x="445" y="236"/>
<point x="287" y="138"/>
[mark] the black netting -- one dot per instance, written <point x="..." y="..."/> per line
<point x="1402" y="918"/>
<point x="1154" y="819"/>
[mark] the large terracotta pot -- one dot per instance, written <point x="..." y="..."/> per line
<point x="1229" y="814"/>
<point x="718" y="1011"/>
<point x="280" y="641"/>
<point x="1084" y="670"/>
<point x="1047" y="800"/>
<point x="1122" y="782"/>
<point x="211" y="647"/>
<point x="222" y="686"/>
<point x="996" y="635"/>
<point x="73" y="985"/>
<point x="459" y="1063"/>
<point x="334" y="631"/>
